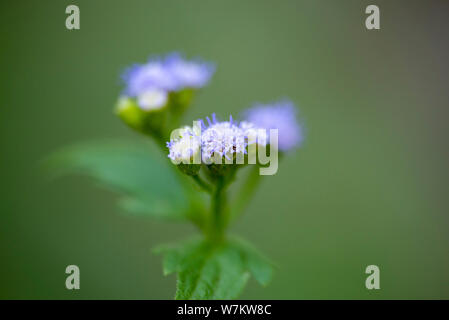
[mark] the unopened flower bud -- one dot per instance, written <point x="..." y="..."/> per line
<point x="130" y="113"/>
<point x="152" y="99"/>
<point x="147" y="120"/>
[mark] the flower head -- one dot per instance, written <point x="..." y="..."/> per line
<point x="184" y="146"/>
<point x="222" y="139"/>
<point x="171" y="73"/>
<point x="279" y="115"/>
<point x="143" y="77"/>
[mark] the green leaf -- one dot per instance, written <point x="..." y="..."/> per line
<point x="142" y="175"/>
<point x="209" y="270"/>
<point x="176" y="257"/>
<point x="260" y="267"/>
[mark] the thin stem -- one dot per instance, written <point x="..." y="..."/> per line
<point x="202" y="184"/>
<point x="218" y="208"/>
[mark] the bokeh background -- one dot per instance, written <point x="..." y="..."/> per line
<point x="369" y="186"/>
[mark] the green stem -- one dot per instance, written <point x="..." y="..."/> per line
<point x="202" y="184"/>
<point x="218" y="209"/>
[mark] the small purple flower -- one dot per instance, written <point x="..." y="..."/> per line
<point x="189" y="74"/>
<point x="171" y="73"/>
<point x="279" y="115"/>
<point x="223" y="138"/>
<point x="185" y="146"/>
<point x="149" y="76"/>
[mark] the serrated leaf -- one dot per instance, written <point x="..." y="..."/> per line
<point x="260" y="267"/>
<point x="176" y="257"/>
<point x="148" y="185"/>
<point x="208" y="270"/>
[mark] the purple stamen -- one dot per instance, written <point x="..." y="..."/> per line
<point x="203" y="126"/>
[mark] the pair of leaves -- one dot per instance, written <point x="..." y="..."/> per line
<point x="208" y="270"/>
<point x="147" y="184"/>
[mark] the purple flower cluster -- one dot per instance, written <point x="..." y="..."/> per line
<point x="222" y="139"/>
<point x="169" y="73"/>
<point x="227" y="139"/>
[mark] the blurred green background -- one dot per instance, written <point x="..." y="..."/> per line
<point x="369" y="186"/>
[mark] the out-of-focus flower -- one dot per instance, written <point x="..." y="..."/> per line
<point x="142" y="77"/>
<point x="152" y="99"/>
<point x="158" y="92"/>
<point x="279" y="115"/>
<point x="172" y="73"/>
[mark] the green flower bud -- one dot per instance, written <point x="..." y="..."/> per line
<point x="148" y="119"/>
<point x="130" y="113"/>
